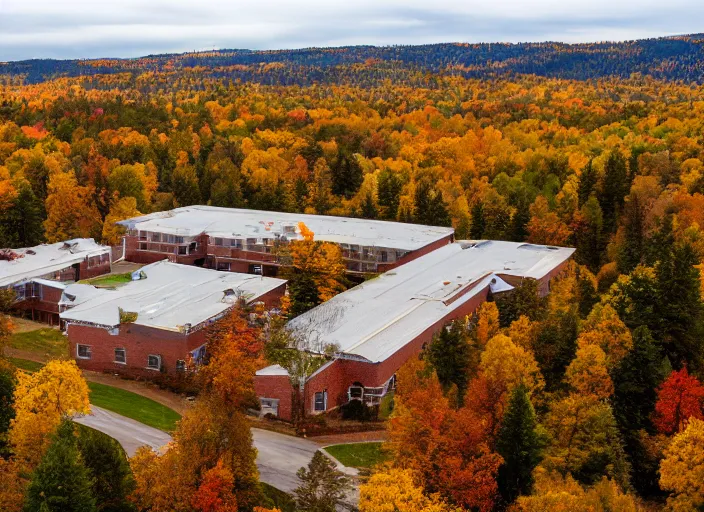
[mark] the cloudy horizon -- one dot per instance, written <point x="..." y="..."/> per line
<point x="129" y="28"/>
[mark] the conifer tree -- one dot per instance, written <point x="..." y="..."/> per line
<point x="21" y="223"/>
<point x="614" y="189"/>
<point x="587" y="183"/>
<point x="108" y="467"/>
<point x="61" y="482"/>
<point x="478" y="222"/>
<point x="322" y="485"/>
<point x="451" y="356"/>
<point x="389" y="189"/>
<point x="520" y="445"/>
<point x="369" y="210"/>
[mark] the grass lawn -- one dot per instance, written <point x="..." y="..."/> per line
<point x="357" y="455"/>
<point x="23" y="364"/>
<point x="42" y="341"/>
<point x="126" y="403"/>
<point x="109" y="280"/>
<point x="132" y="405"/>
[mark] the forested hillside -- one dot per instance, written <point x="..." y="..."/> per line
<point x="601" y="383"/>
<point x="671" y="58"/>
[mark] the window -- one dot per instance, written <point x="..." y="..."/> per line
<point x="182" y="249"/>
<point x="224" y="266"/>
<point x="153" y="362"/>
<point x="83" y="351"/>
<point x="120" y="356"/>
<point x="384" y="256"/>
<point x="180" y="365"/>
<point x="156" y="237"/>
<point x="142" y="246"/>
<point x="218" y="242"/>
<point x="356" y="393"/>
<point x="321" y="401"/>
<point x="236" y="243"/>
<point x="179" y="239"/>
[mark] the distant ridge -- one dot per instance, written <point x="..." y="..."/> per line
<point x="679" y="58"/>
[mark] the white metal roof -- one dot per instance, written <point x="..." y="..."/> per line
<point x="273" y="370"/>
<point x="171" y="297"/>
<point x="45" y="259"/>
<point x="380" y="316"/>
<point x="232" y="222"/>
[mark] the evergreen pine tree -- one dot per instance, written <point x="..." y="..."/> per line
<point x="422" y="201"/>
<point x="614" y="189"/>
<point x="587" y="183"/>
<point x="680" y="306"/>
<point x="368" y="207"/>
<point x="61" y="482"/>
<point x="21" y="223"/>
<point x="7" y="412"/>
<point x="322" y="485"/>
<point x="478" y="223"/>
<point x="520" y="445"/>
<point x="519" y="221"/>
<point x="451" y="356"/>
<point x="346" y="176"/>
<point x="108" y="467"/>
<point x="389" y="190"/>
<point x="633" y="251"/>
<point x="438" y="214"/>
<point x="303" y="292"/>
<point x="590" y="237"/>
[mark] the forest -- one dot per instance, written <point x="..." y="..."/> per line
<point x="590" y="399"/>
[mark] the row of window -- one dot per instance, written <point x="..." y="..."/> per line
<point x="153" y="360"/>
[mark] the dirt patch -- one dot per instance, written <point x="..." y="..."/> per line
<point x="25" y="325"/>
<point x="355" y="437"/>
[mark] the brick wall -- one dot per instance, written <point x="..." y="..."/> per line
<point x="138" y="341"/>
<point x="276" y="386"/>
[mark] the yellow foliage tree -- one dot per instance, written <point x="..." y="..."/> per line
<point x="604" y="328"/>
<point x="507" y="365"/>
<point x="487" y="322"/>
<point x="70" y="210"/>
<point x="563" y="494"/>
<point x="123" y="208"/>
<point x="41" y="400"/>
<point x="394" y="490"/>
<point x="523" y="332"/>
<point x="682" y="469"/>
<point x="587" y="373"/>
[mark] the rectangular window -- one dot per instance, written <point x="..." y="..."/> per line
<point x="321" y="399"/>
<point x="142" y="246"/>
<point x="120" y="356"/>
<point x="218" y="242"/>
<point x="83" y="352"/>
<point x="180" y="365"/>
<point x="182" y="249"/>
<point x="384" y="256"/>
<point x="154" y="362"/>
<point x="179" y="239"/>
<point x="156" y="237"/>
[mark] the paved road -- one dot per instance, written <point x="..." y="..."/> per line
<point x="131" y="434"/>
<point x="278" y="456"/>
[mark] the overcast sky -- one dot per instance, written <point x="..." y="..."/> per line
<point x="130" y="28"/>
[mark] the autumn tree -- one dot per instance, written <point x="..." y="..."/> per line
<point x="520" y="444"/>
<point x="7" y="411"/>
<point x="61" y="482"/>
<point x="121" y="209"/>
<point x="41" y="400"/>
<point x="21" y="220"/>
<point x="214" y="494"/>
<point x="680" y="398"/>
<point x="322" y="485"/>
<point x="487" y="322"/>
<point x="315" y="272"/>
<point x="523" y="300"/>
<point x="545" y="227"/>
<point x="604" y="328"/>
<point x="682" y="469"/>
<point x="588" y="374"/>
<point x="395" y="490"/>
<point x="70" y="210"/>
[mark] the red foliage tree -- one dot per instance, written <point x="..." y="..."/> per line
<point x="680" y="397"/>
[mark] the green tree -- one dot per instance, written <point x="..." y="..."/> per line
<point x="523" y="300"/>
<point x="478" y="222"/>
<point x="589" y="235"/>
<point x="61" y="482"/>
<point x="369" y="210"/>
<point x="555" y="346"/>
<point x="452" y="357"/>
<point x="7" y="390"/>
<point x="520" y="445"/>
<point x="125" y="180"/>
<point x="346" y="175"/>
<point x="587" y="183"/>
<point x="389" y="187"/>
<point x="614" y="188"/>
<point x="322" y="485"/>
<point x="108" y="468"/>
<point x="680" y="306"/>
<point x="632" y="251"/>
<point x="21" y="223"/>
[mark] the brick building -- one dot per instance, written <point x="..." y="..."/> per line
<point x="374" y="328"/>
<point x="244" y="240"/>
<point x="155" y="322"/>
<point x="38" y="275"/>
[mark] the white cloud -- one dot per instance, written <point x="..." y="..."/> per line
<point x="80" y="28"/>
